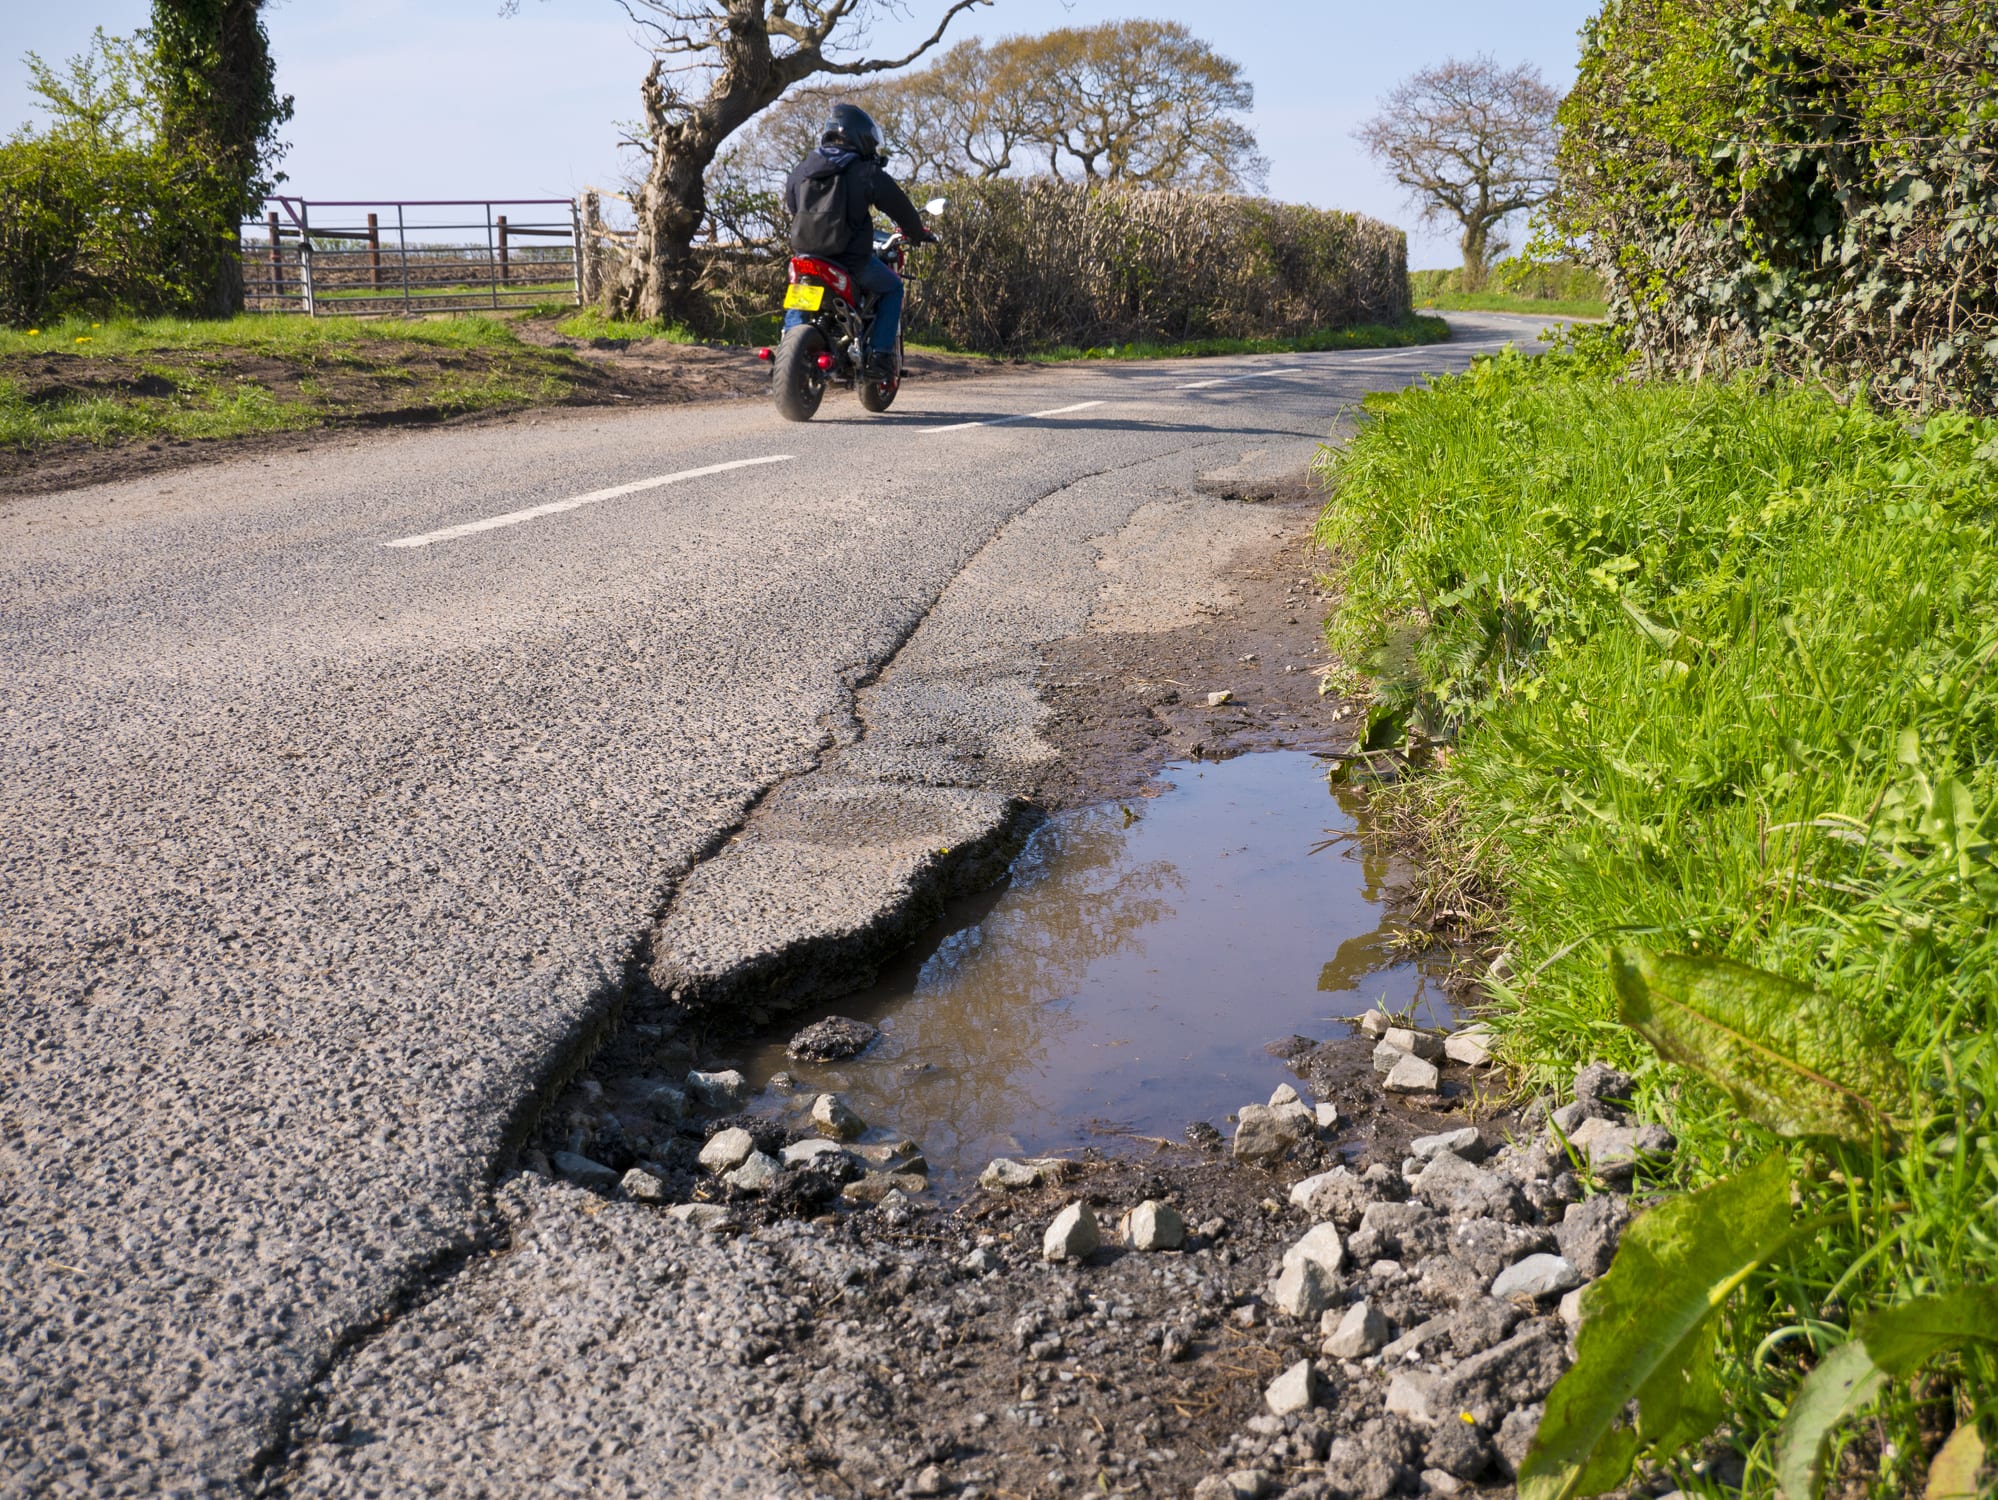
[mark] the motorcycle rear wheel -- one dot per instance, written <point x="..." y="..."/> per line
<point x="879" y="395"/>
<point x="796" y="382"/>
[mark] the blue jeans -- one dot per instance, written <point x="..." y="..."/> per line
<point x="873" y="277"/>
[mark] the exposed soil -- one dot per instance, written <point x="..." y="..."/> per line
<point x="368" y="385"/>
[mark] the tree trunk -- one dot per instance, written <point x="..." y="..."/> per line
<point x="1475" y="244"/>
<point x="657" y="278"/>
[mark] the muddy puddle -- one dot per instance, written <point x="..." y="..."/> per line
<point x="1129" y="976"/>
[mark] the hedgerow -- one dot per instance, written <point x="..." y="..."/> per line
<point x="1806" y="184"/>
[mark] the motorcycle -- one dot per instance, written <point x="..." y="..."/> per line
<point x="830" y="346"/>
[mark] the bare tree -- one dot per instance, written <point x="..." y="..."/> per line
<point x="717" y="64"/>
<point x="1470" y="141"/>
<point x="1141" y="102"/>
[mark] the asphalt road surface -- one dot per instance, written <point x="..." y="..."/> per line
<point x="338" y="788"/>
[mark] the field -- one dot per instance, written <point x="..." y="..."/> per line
<point x="1705" y="670"/>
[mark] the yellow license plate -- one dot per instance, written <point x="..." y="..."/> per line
<point x="805" y="298"/>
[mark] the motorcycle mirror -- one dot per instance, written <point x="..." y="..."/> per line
<point x="936" y="205"/>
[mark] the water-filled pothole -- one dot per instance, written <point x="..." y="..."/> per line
<point x="1130" y="975"/>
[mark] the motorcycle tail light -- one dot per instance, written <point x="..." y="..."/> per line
<point x="765" y="355"/>
<point x="826" y="361"/>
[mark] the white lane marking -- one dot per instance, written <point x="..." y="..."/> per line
<point x="1201" y="385"/>
<point x="1053" y="411"/>
<point x="576" y="502"/>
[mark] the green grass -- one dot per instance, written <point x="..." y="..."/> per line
<point x="594" y="323"/>
<point x="133" y="379"/>
<point x="1552" y="307"/>
<point x="1806" y="781"/>
<point x="1418" y="330"/>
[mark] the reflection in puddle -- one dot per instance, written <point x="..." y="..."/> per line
<point x="1129" y="976"/>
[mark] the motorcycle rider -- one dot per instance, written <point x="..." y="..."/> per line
<point x="830" y="195"/>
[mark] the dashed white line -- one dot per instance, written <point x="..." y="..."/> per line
<point x="1201" y="385"/>
<point x="576" y="502"/>
<point x="1055" y="411"/>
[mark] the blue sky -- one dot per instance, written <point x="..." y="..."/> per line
<point x="446" y="99"/>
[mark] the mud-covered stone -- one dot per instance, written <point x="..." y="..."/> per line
<point x="1465" y="1143"/>
<point x="1455" y="1185"/>
<point x="1265" y="1135"/>
<point x="832" y="1039"/>
<point x="1515" y="1436"/>
<point x="1589" y="1232"/>
<point x="1598" y="1083"/>
<point x="1412" y="1075"/>
<point x="1460" y="1448"/>
<point x="1482" y="1323"/>
<point x="1516" y="1373"/>
<point x="1535" y="1277"/>
<point x="1448" y="1280"/>
<point x="727" y="1149"/>
<point x="1398" y="1231"/>
<point x="723" y="1090"/>
<point x="1338" y="1196"/>
<point x="583" y="1171"/>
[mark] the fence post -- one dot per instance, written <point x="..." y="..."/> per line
<point x="277" y="257"/>
<point x="503" y="276"/>
<point x="576" y="243"/>
<point x="493" y="281"/>
<point x="305" y="256"/>
<point x="374" y="255"/>
<point x="402" y="249"/>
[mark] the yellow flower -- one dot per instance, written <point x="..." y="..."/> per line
<point x="34" y="333"/>
<point x="83" y="338"/>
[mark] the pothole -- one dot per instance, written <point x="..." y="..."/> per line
<point x="1124" y="982"/>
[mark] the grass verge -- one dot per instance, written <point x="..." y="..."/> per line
<point x="1552" y="307"/>
<point x="1717" y="666"/>
<point x="119" y="380"/>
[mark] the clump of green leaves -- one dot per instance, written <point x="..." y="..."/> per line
<point x="1718" y="663"/>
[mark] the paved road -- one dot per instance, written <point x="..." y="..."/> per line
<point x="338" y="788"/>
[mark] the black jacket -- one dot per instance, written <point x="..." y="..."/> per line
<point x="868" y="186"/>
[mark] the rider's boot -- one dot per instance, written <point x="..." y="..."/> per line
<point x="883" y="365"/>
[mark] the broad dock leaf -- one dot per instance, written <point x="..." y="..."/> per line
<point x="1647" y="1332"/>
<point x="1792" y="1058"/>
<point x="1906" y="1336"/>
<point x="1845" y="1382"/>
<point x="1954" y="1471"/>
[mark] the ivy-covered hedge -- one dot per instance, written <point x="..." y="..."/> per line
<point x="1807" y="183"/>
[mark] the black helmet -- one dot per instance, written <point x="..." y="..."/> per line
<point x="851" y="126"/>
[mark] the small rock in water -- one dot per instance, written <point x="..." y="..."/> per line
<point x="799" y="1152"/>
<point x="1203" y="1135"/>
<point x="1412" y="1075"/>
<point x="1386" y="1056"/>
<point x="832" y="1039"/>
<point x="758" y="1174"/>
<point x="1294" y="1390"/>
<point x="831" y="1117"/>
<point x="642" y="1186"/>
<point x="723" y="1091"/>
<point x="1327" y="1116"/>
<point x="582" y="1171"/>
<point x="1421" y="1044"/>
<point x="1537" y="1276"/>
<point x="1154" y="1226"/>
<point x="727" y="1149"/>
<point x="1072" y="1236"/>
<point x="1375" y="1022"/>
<point x="1361" y="1330"/>
<point x="1284" y="1094"/>
<point x="1004" y="1175"/>
<point x="1215" y="700"/>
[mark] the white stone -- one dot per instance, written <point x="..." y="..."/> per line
<point x="1073" y="1234"/>
<point x="1571" y="1308"/>
<point x="643" y="1186"/>
<point x="758" y="1174"/>
<point x="1263" y="1135"/>
<point x="1536" y="1276"/>
<point x="1422" y="1044"/>
<point x="1386" y="1056"/>
<point x="1464" y="1143"/>
<point x="727" y="1149"/>
<point x="1360" y="1331"/>
<point x="1154" y="1226"/>
<point x="725" y="1090"/>
<point x="1320" y="1243"/>
<point x="1412" y="1394"/>
<point x="799" y="1152"/>
<point x="1003" y="1174"/>
<point x="1301" y="1192"/>
<point x="705" y="1216"/>
<point x="1304" y="1289"/>
<point x="1374" y="1022"/>
<point x="1412" y="1076"/>
<point x="1471" y="1048"/>
<point x="1215" y="700"/>
<point x="831" y="1117"/>
<point x="1441" y="1482"/>
<point x="1284" y="1094"/>
<point x="1294" y="1390"/>
<point x="1327" y="1116"/>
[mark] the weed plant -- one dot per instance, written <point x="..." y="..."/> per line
<point x="1714" y="668"/>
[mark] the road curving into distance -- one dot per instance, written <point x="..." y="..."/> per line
<point x="338" y="790"/>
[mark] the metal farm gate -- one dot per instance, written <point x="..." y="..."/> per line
<point x="354" y="257"/>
